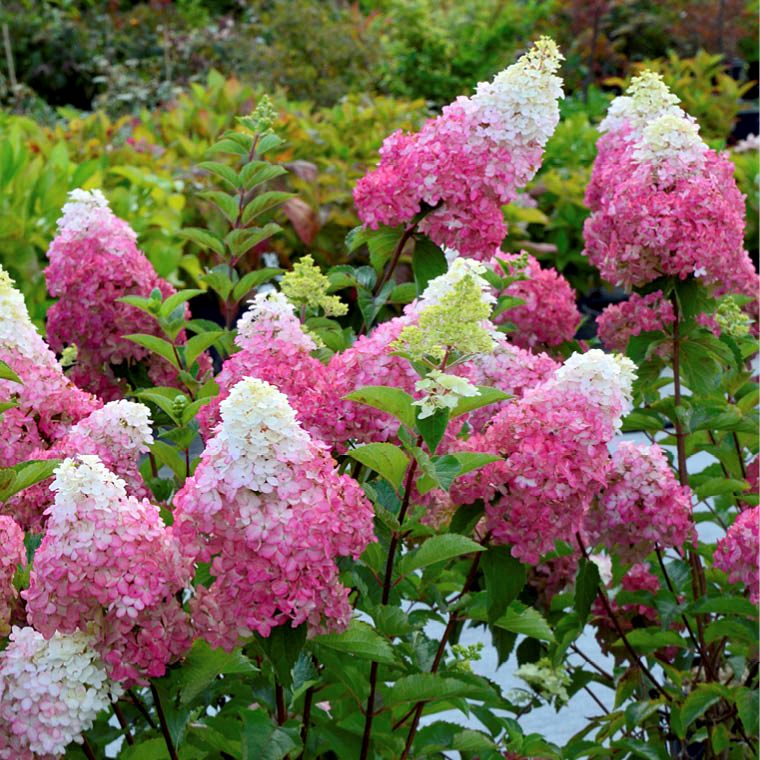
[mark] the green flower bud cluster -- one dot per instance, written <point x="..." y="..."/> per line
<point x="306" y="286"/>
<point x="731" y="319"/>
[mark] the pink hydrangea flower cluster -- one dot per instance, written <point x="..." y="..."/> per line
<point x="548" y="316"/>
<point x="618" y="323"/>
<point x="94" y="260"/>
<point x="118" y="433"/>
<point x="109" y="566"/>
<point x="470" y="160"/>
<point x="737" y="552"/>
<point x="269" y="512"/>
<point x="51" y="691"/>
<point x="12" y="554"/>
<point x="642" y="505"/>
<point x="47" y="402"/>
<point x="553" y="442"/>
<point x="662" y="202"/>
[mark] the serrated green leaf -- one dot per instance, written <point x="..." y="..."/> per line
<point x="428" y="262"/>
<point x="700" y="700"/>
<point x="139" y="302"/>
<point x="746" y="701"/>
<point x="155" y="345"/>
<point x="473" y="460"/>
<point x="27" y="474"/>
<point x="262" y="739"/>
<point x="243" y="240"/>
<point x="203" y="239"/>
<point x="282" y="648"/>
<point x="384" y="458"/>
<point x="586" y="587"/>
<point x="429" y="687"/>
<point x="220" y="283"/>
<point x="227" y="204"/>
<point x="175" y="300"/>
<point x="258" y="172"/>
<point x="169" y="456"/>
<point x="196" y="345"/>
<point x="438" y="549"/>
<point x="163" y="400"/>
<point x="505" y="577"/>
<point x="360" y="640"/>
<point x="388" y="399"/>
<point x="227" y="173"/>
<point x="6" y="373"/>
<point x="203" y="664"/>
<point x="486" y="395"/>
<point x="264" y="202"/>
<point x="525" y="620"/>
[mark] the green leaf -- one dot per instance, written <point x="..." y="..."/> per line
<point x="361" y="640"/>
<point x="258" y="172"/>
<point x="196" y="345"/>
<point x="227" y="204"/>
<point x="282" y="647"/>
<point x="385" y="458"/>
<point x="382" y="243"/>
<point x="404" y="293"/>
<point x="155" y="345"/>
<point x="228" y="145"/>
<point x="262" y="739"/>
<point x="268" y="142"/>
<point x="428" y="262"/>
<point x="6" y="373"/>
<point x="169" y="456"/>
<point x="700" y="700"/>
<point x="746" y="701"/>
<point x="726" y="605"/>
<point x="525" y="620"/>
<point x="163" y="399"/>
<point x="27" y="474"/>
<point x="253" y="279"/>
<point x="148" y="305"/>
<point x="438" y="549"/>
<point x="429" y="687"/>
<point x="203" y="239"/>
<point x="649" y="639"/>
<point x="175" y="300"/>
<point x="439" y="472"/>
<point x="473" y="460"/>
<point x="720" y="486"/>
<point x="388" y="399"/>
<point x="701" y="371"/>
<point x="586" y="587"/>
<point x="227" y="173"/>
<point x="220" y="283"/>
<point x="505" y="577"/>
<point x="433" y="427"/>
<point x="264" y="202"/>
<point x="203" y="664"/>
<point x="241" y="241"/>
<point x="486" y="396"/>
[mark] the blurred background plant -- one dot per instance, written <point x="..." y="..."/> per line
<point x="130" y="96"/>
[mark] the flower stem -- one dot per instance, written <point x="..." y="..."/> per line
<point x="123" y="723"/>
<point x="408" y="232"/>
<point x="164" y="725"/>
<point x="279" y="696"/>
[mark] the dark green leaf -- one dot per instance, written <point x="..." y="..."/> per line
<point x="428" y="262"/>
<point x="203" y="239"/>
<point x="360" y="640"/>
<point x="438" y="549"/>
<point x="385" y="458"/>
<point x="253" y="279"/>
<point x="155" y="345"/>
<point x="505" y="577"/>
<point x="586" y="587"/>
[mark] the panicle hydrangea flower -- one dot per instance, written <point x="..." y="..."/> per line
<point x="51" y="691"/>
<point x="642" y="505"/>
<point x="269" y="512"/>
<point x="118" y="433"/>
<point x="275" y="348"/>
<point x="108" y="565"/>
<point x="548" y="316"/>
<point x="47" y="402"/>
<point x="12" y="554"/>
<point x="305" y="286"/>
<point x="737" y="552"/>
<point x="553" y="444"/>
<point x="94" y="260"/>
<point x="470" y="160"/>
<point x="549" y="681"/>
<point x="618" y="323"/>
<point x="663" y="203"/>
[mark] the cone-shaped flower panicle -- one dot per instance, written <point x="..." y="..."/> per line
<point x="737" y="552"/>
<point x="12" y="554"/>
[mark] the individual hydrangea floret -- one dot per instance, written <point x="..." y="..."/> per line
<point x="642" y="506"/>
<point x="269" y="513"/>
<point x="12" y="554"/>
<point x="108" y="565"/>
<point x="442" y="391"/>
<point x="306" y="287"/>
<point x="469" y="161"/>
<point x="51" y="691"/>
<point x="737" y="552"/>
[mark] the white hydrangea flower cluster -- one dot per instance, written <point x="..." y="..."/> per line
<point x="647" y="98"/>
<point x="520" y="106"/>
<point x="259" y="437"/>
<point x="123" y="425"/>
<point x="83" y="210"/>
<point x="272" y="310"/>
<point x="442" y="391"/>
<point x="51" y="691"/>
<point x="671" y="143"/>
<point x="17" y="333"/>
<point x="605" y="379"/>
<point x="441" y="286"/>
<point x="550" y="682"/>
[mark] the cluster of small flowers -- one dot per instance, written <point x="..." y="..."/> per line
<point x="50" y="693"/>
<point x="554" y="447"/>
<point x="269" y="512"/>
<point x="94" y="260"/>
<point x="108" y="565"/>
<point x="662" y="202"/>
<point x="47" y="402"/>
<point x="470" y="160"/>
<point x="549" y="681"/>
<point x="12" y="554"/>
<point x="737" y="552"/>
<point x="548" y="316"/>
<point x="642" y="505"/>
<point x="618" y="323"/>
<point x="118" y="433"/>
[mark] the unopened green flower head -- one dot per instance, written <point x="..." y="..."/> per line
<point x="731" y="319"/>
<point x="265" y="114"/>
<point x="306" y="286"/>
<point x="69" y="356"/>
<point x="453" y="325"/>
